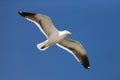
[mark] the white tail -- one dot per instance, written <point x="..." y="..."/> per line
<point x="42" y="46"/>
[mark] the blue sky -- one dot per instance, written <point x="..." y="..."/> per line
<point x="95" y="23"/>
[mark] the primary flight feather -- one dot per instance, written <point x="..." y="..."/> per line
<point x="57" y="37"/>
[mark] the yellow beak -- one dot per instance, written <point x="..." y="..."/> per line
<point x="69" y="32"/>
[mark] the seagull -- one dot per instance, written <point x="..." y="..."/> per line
<point x="54" y="36"/>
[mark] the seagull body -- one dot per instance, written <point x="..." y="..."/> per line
<point x="57" y="37"/>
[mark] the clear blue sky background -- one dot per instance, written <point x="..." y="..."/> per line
<point x="95" y="23"/>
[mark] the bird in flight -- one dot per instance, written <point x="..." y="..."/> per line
<point x="54" y="36"/>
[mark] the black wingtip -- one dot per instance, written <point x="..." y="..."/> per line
<point x="21" y="13"/>
<point x="86" y="65"/>
<point x="26" y="14"/>
<point x="85" y="62"/>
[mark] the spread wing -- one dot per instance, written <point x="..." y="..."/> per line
<point x="43" y="22"/>
<point x="76" y="49"/>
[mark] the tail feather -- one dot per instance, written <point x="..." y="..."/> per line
<point x="42" y="46"/>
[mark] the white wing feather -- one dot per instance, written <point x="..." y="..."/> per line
<point x="43" y="22"/>
<point x="76" y="49"/>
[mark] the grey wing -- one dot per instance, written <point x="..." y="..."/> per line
<point x="43" y="22"/>
<point x="76" y="49"/>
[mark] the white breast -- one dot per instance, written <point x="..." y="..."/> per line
<point x="56" y="38"/>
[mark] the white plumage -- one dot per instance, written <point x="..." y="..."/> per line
<point x="57" y="37"/>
